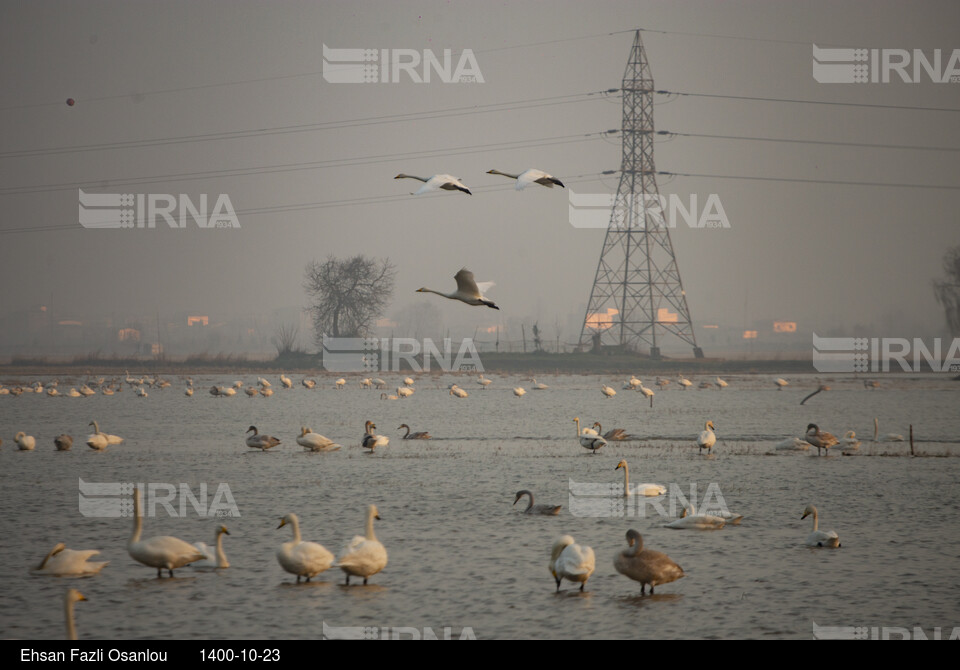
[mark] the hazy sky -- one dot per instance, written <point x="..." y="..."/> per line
<point x="829" y="256"/>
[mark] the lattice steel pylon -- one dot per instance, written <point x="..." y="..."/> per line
<point x="637" y="295"/>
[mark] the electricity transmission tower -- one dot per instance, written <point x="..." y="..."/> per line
<point x="637" y="295"/>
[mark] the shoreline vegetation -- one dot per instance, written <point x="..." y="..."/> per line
<point x="504" y="363"/>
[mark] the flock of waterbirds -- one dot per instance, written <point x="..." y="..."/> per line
<point x="364" y="556"/>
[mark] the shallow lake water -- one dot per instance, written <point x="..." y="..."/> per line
<point x="461" y="556"/>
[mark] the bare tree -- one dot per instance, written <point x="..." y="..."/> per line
<point x="948" y="292"/>
<point x="286" y="339"/>
<point x="347" y="295"/>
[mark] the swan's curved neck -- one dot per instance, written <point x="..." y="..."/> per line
<point x="637" y="545"/>
<point x="221" y="556"/>
<point x="407" y="433"/>
<point x="505" y="174"/>
<point x="370" y="535"/>
<point x="295" y="524"/>
<point x="576" y="421"/>
<point x="412" y="176"/>
<point x="96" y="428"/>
<point x="137" y="518"/>
<point x="626" y="479"/>
<point x="816" y="521"/>
<point x="71" y="626"/>
<point x="876" y="429"/>
<point x="46" y="558"/>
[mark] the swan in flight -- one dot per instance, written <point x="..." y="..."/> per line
<point x="216" y="560"/>
<point x="422" y="435"/>
<point x="315" y="441"/>
<point x="648" y="490"/>
<point x="607" y="391"/>
<point x="468" y="290"/>
<point x="589" y="438"/>
<point x="437" y="182"/>
<point x="64" y="562"/>
<point x="690" y="520"/>
<point x="548" y="510"/>
<point x="531" y="176"/>
<point x="519" y="391"/>
<point x="645" y="565"/>
<point x="162" y="552"/>
<point x="71" y="597"/>
<point x="372" y="441"/>
<point x="707" y="438"/>
<point x="819" y="438"/>
<point x="261" y="442"/>
<point x="364" y="556"/>
<point x="25" y="442"/>
<point x="63" y="442"/>
<point x="819" y="538"/>
<point x="889" y="437"/>
<point x="780" y="382"/>
<point x="303" y="559"/>
<point x="614" y="434"/>
<point x="571" y="561"/>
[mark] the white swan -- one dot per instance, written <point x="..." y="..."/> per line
<point x="647" y="393"/>
<point x="408" y="381"/>
<point x="111" y="439"/>
<point x="25" y="442"/>
<point x="519" y="391"/>
<point x="547" y="510"/>
<point x="266" y="392"/>
<point x="792" y="444"/>
<point x="308" y="383"/>
<point x="315" y="441"/>
<point x="141" y="392"/>
<point x="849" y="442"/>
<point x="437" y="182"/>
<point x="71" y="597"/>
<point x="216" y="560"/>
<point x="364" y="556"/>
<point x="721" y="384"/>
<point x="370" y="440"/>
<point x="690" y="520"/>
<point x="459" y="392"/>
<point x="819" y="538"/>
<point x="251" y="391"/>
<point x="340" y="383"/>
<point x="261" y="442"/>
<point x="819" y="438"/>
<point x="286" y="381"/>
<point x="303" y="559"/>
<point x="162" y="552"/>
<point x="64" y="562"/>
<point x="404" y="391"/>
<point x="888" y="437"/>
<point x="571" y="561"/>
<point x="97" y="440"/>
<point x="648" y="490"/>
<point x="537" y="386"/>
<point x="588" y="437"/>
<point x="645" y="565"/>
<point x="607" y="391"/>
<point x="468" y="290"/>
<point x="780" y="382"/>
<point x="74" y="393"/>
<point x="707" y="438"/>
<point x="531" y="176"/>
<point x="684" y="382"/>
<point x="484" y="382"/>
